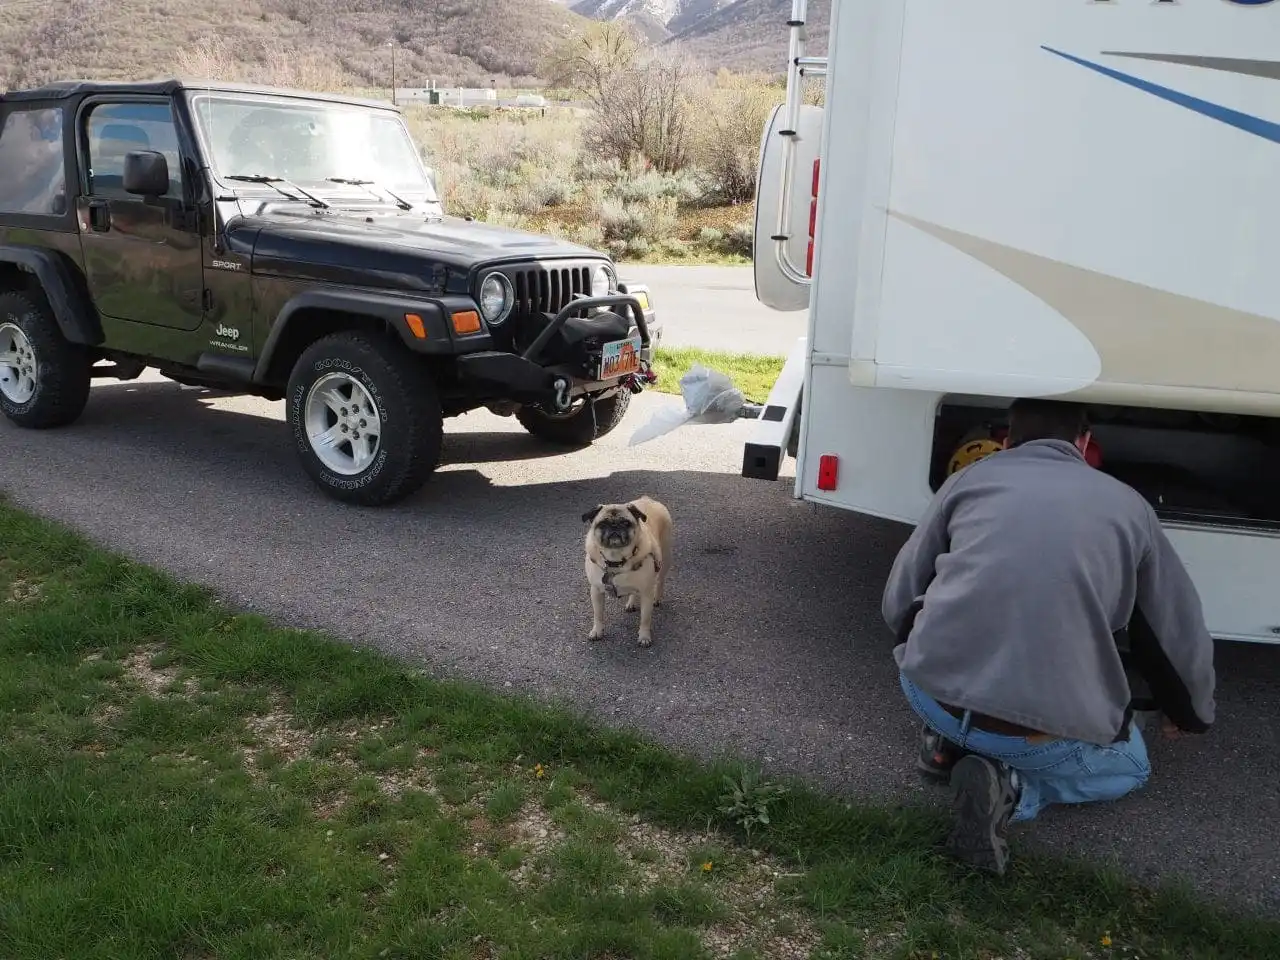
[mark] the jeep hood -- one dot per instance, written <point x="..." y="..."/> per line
<point x="400" y="249"/>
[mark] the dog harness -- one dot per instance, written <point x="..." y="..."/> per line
<point x="612" y="568"/>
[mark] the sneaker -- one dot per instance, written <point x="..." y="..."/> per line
<point x="938" y="756"/>
<point x="983" y="799"/>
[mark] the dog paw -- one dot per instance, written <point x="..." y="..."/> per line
<point x="645" y="640"/>
<point x="632" y="606"/>
<point x="596" y="634"/>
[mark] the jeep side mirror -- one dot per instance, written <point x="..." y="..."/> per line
<point x="146" y="173"/>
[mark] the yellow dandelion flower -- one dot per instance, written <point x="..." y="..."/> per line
<point x="1106" y="939"/>
<point x="706" y="867"/>
<point x="539" y="772"/>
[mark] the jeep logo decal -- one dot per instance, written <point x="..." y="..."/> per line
<point x="230" y="333"/>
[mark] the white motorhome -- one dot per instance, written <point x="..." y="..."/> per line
<point x="1061" y="198"/>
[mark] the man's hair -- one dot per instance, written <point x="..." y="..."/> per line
<point x="1046" y="420"/>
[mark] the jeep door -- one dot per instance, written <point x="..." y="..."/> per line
<point x="143" y="256"/>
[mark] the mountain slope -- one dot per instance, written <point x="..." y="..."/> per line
<point x="674" y="15"/>
<point x="661" y="10"/>
<point x="752" y="34"/>
<point x="450" y="41"/>
<point x="693" y="11"/>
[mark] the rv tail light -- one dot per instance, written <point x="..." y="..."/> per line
<point x="828" y="468"/>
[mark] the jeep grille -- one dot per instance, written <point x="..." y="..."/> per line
<point x="548" y="289"/>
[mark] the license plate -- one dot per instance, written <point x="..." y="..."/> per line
<point x="620" y="358"/>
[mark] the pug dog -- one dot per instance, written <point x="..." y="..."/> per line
<point x="627" y="553"/>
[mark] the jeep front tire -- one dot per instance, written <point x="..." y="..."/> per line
<point x="578" y="427"/>
<point x="366" y="418"/>
<point x="44" y="378"/>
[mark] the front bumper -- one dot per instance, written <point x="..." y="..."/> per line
<point x="530" y="378"/>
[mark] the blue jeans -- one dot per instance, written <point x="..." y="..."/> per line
<point x="1058" y="771"/>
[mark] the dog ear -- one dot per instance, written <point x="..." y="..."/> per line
<point x="637" y="513"/>
<point x="592" y="513"/>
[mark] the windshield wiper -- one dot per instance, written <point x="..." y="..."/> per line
<point x="274" y="182"/>
<point x="400" y="202"/>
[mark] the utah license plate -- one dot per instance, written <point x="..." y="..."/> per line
<point x="619" y="358"/>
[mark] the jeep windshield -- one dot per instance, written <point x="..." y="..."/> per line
<point x="336" y="151"/>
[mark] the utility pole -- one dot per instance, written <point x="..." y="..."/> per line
<point x="392" y="45"/>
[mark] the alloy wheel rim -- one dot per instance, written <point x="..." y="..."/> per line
<point x="19" y="368"/>
<point x="342" y="424"/>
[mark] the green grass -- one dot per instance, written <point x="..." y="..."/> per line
<point x="180" y="780"/>
<point x="753" y="374"/>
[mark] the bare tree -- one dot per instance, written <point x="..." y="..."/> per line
<point x="589" y="61"/>
<point x="645" y="114"/>
<point x="640" y="99"/>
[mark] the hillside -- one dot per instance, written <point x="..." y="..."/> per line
<point x="692" y="11"/>
<point x="752" y="34"/>
<point x="468" y="42"/>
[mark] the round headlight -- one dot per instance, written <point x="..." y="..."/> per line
<point x="602" y="282"/>
<point x="496" y="298"/>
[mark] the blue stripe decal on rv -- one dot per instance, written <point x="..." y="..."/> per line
<point x="1242" y="121"/>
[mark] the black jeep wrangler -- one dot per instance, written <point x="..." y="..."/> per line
<point x="292" y="246"/>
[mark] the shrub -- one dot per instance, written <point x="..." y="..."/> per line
<point x="590" y="167"/>
<point x="589" y="235"/>
<point x="740" y="239"/>
<point x="505" y="218"/>
<point x="736" y="242"/>
<point x="653" y="219"/>
<point x="541" y="192"/>
<point x="646" y="185"/>
<point x="672" y="248"/>
<point x="637" y="248"/>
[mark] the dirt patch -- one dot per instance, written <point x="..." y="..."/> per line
<point x="757" y="910"/>
<point x="280" y="732"/>
<point x="277" y="732"/>
<point x="155" y="681"/>
<point x="759" y="916"/>
<point x="534" y="832"/>
<point x="23" y="591"/>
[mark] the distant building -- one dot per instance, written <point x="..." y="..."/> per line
<point x="468" y="97"/>
<point x="447" y="96"/>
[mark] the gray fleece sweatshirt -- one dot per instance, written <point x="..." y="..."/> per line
<point x="1028" y="563"/>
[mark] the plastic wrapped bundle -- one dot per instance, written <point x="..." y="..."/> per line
<point x="709" y="397"/>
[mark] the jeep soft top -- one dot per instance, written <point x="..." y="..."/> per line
<point x="291" y="245"/>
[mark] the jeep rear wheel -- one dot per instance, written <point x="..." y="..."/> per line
<point x="366" y="419"/>
<point x="44" y="379"/>
<point x="578" y="427"/>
